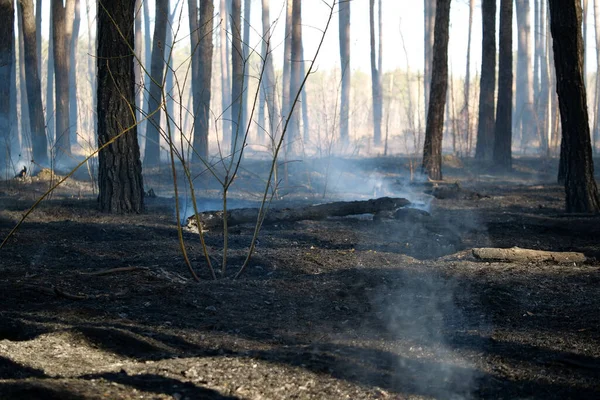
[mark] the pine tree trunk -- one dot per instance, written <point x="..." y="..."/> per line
<point x="432" y="151"/>
<point x="293" y="133"/>
<point x="304" y="99"/>
<point x="38" y="33"/>
<point x="120" y="169"/>
<point x="237" y="80"/>
<point x="544" y="95"/>
<point x="268" y="82"/>
<point x="596" y="133"/>
<point x="50" y="110"/>
<point x="202" y="51"/>
<point x="63" y="16"/>
<point x="226" y="118"/>
<point x="169" y="73"/>
<point x="524" y="118"/>
<point x="580" y="186"/>
<point x="7" y="33"/>
<point x="429" y="15"/>
<point x="137" y="66"/>
<point x="344" y="37"/>
<point x="73" y="100"/>
<point x="24" y="104"/>
<point x="246" y="49"/>
<point x="485" y="130"/>
<point x="157" y="70"/>
<point x="15" y="147"/>
<point x="375" y="79"/>
<point x="34" y="90"/>
<point x="503" y="126"/>
<point x="287" y="55"/>
<point x="467" y="90"/>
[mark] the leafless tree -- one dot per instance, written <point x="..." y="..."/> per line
<point x="344" y="37"/>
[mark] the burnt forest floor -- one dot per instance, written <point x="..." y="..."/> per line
<point x="102" y="306"/>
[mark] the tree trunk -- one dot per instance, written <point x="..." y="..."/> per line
<point x="524" y="119"/>
<point x="7" y="33"/>
<point x="50" y="111"/>
<point x="92" y="122"/>
<point x="596" y="134"/>
<point x="157" y="70"/>
<point x="344" y="37"/>
<point x="293" y="134"/>
<point x="304" y="100"/>
<point x="137" y="66"/>
<point x="120" y="168"/>
<point x="432" y="150"/>
<point x="268" y="83"/>
<point x="34" y="90"/>
<point x="73" y="106"/>
<point x="485" y="130"/>
<point x="38" y="33"/>
<point x="287" y="55"/>
<point x="503" y="126"/>
<point x="13" y="120"/>
<point x="24" y="117"/>
<point x="375" y="79"/>
<point x="246" y="52"/>
<point x="430" y="15"/>
<point x="170" y="92"/>
<point x="63" y="16"/>
<point x="201" y="25"/>
<point x="544" y="95"/>
<point x="225" y="77"/>
<point x="467" y="90"/>
<point x="580" y="186"/>
<point x="237" y="80"/>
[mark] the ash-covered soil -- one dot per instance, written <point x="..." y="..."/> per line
<point x="102" y="306"/>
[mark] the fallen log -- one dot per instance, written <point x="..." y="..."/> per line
<point x="214" y="219"/>
<point x="516" y="254"/>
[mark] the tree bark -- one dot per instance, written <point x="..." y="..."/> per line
<point x="226" y="118"/>
<point x="120" y="168"/>
<point x="503" y="126"/>
<point x="268" y="82"/>
<point x="467" y="90"/>
<point x="73" y="105"/>
<point x="293" y="134"/>
<point x="429" y="15"/>
<point x="375" y="79"/>
<point x="485" y="130"/>
<point x="138" y="61"/>
<point x="516" y="254"/>
<point x="201" y="25"/>
<point x="24" y="117"/>
<point x="580" y="186"/>
<point x="246" y="50"/>
<point x="596" y="133"/>
<point x="50" y="110"/>
<point x="34" y="90"/>
<point x="524" y="118"/>
<point x="344" y="37"/>
<point x="157" y="71"/>
<point x="432" y="150"/>
<point x="544" y="95"/>
<point x="237" y="80"/>
<point x="7" y="33"/>
<point x="214" y="219"/>
<point x="63" y="16"/>
<point x="287" y="55"/>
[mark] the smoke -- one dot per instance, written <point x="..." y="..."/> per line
<point x="421" y="313"/>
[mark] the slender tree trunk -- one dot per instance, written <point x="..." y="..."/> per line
<point x="50" y="111"/>
<point x="430" y="15"/>
<point x="157" y="70"/>
<point x="24" y="117"/>
<point x="293" y="134"/>
<point x="596" y="134"/>
<point x="137" y="66"/>
<point x="467" y="90"/>
<point x="584" y="17"/>
<point x="503" y="126"/>
<point x="375" y="79"/>
<point x="38" y="33"/>
<point x="580" y="186"/>
<point x="92" y="124"/>
<point x="7" y="33"/>
<point x="226" y="118"/>
<point x="73" y="106"/>
<point x="201" y="25"/>
<point x="525" y="123"/>
<point x="13" y="121"/>
<point x="268" y="83"/>
<point x="432" y="151"/>
<point x="305" y="120"/>
<point x="63" y="30"/>
<point x="246" y="50"/>
<point x="34" y="91"/>
<point x="120" y="169"/>
<point x="536" y="49"/>
<point x="344" y="37"/>
<point x="485" y="130"/>
<point x="544" y="95"/>
<point x="287" y="55"/>
<point x="237" y="81"/>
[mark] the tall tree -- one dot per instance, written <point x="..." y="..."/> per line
<point x="24" y="117"/>
<point x="120" y="169"/>
<point x="139" y="51"/>
<point x="580" y="186"/>
<point x="246" y="50"/>
<point x="63" y="16"/>
<point x="344" y="37"/>
<point x="157" y="70"/>
<point x="7" y="33"/>
<point x="13" y="119"/>
<point x="225" y="77"/>
<point x="543" y="109"/>
<point x="237" y="78"/>
<point x="524" y="119"/>
<point x="38" y="33"/>
<point x="487" y="85"/>
<point x="202" y="53"/>
<point x="467" y="90"/>
<point x="432" y="150"/>
<point x="268" y="82"/>
<point x="596" y="132"/>
<point x="293" y="134"/>
<point x="429" y="15"/>
<point x="34" y="90"/>
<point x="503" y="127"/>
<point x="50" y="80"/>
<point x="73" y="105"/>
<point x="375" y="79"/>
<point x="287" y="55"/>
